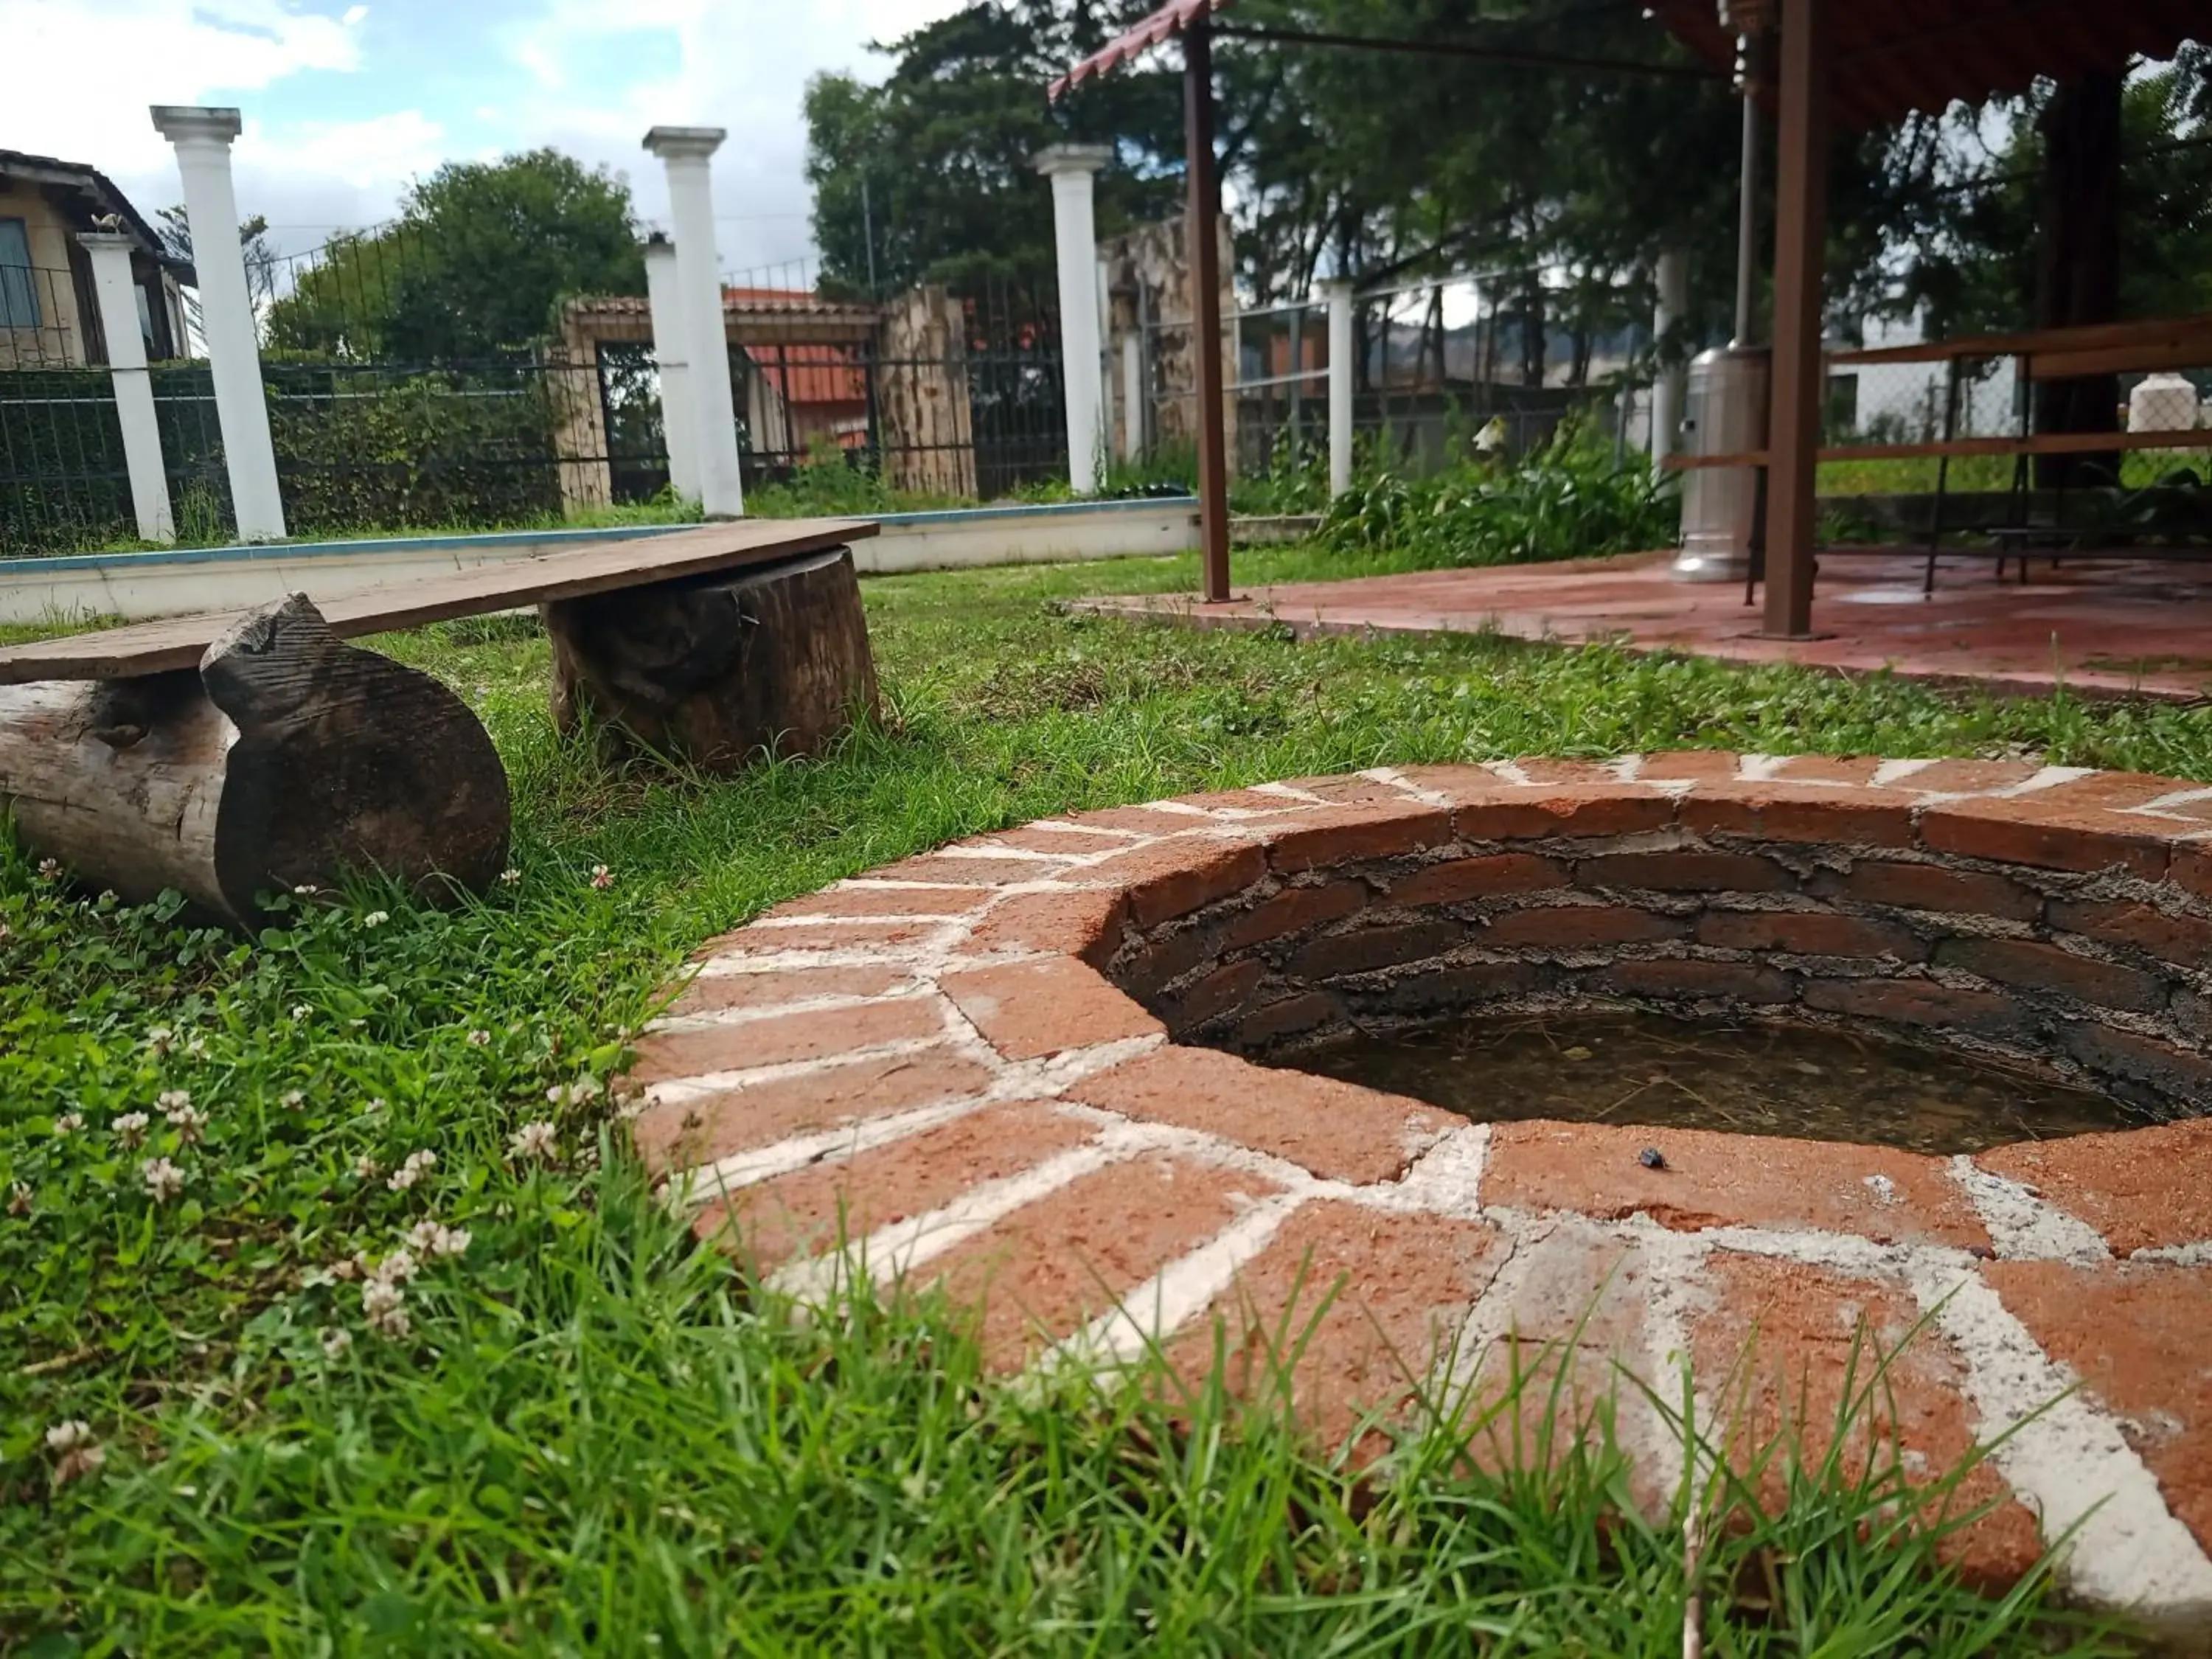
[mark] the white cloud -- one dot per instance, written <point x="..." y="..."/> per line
<point x="742" y="65"/>
<point x="373" y="156"/>
<point x="84" y="72"/>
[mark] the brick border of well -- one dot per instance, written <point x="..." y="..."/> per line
<point x="980" y="1067"/>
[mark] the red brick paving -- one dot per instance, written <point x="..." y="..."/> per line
<point x="2102" y="628"/>
<point x="2067" y="917"/>
<point x="1729" y="1181"/>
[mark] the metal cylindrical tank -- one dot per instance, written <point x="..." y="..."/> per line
<point x="1727" y="416"/>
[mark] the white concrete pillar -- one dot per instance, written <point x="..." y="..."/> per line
<point x="1073" y="170"/>
<point x="202" y="139"/>
<point x="679" y="411"/>
<point x="134" y="391"/>
<point x="1670" y="388"/>
<point x="1136" y="395"/>
<point x="685" y="152"/>
<point x="1338" y="296"/>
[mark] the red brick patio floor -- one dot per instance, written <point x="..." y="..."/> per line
<point x="1003" y="1066"/>
<point x="2105" y="629"/>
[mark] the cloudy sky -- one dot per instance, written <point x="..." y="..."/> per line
<point x="345" y="101"/>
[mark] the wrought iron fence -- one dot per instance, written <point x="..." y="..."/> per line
<point x="375" y="427"/>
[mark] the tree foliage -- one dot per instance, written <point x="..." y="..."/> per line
<point x="476" y="266"/>
<point x="934" y="166"/>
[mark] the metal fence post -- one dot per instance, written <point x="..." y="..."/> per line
<point x="110" y="252"/>
<point x="202" y="139"/>
<point x="1339" y="295"/>
<point x="1668" y="385"/>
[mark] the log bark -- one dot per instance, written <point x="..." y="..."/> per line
<point x="287" y="757"/>
<point x="718" y="672"/>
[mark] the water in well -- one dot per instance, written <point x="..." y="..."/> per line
<point x="1752" y="1078"/>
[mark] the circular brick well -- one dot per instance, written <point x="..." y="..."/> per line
<point x="1014" y="1067"/>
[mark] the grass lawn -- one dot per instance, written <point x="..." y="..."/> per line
<point x="573" y="1430"/>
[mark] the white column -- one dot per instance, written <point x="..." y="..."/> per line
<point x="134" y="390"/>
<point x="679" y="411"/>
<point x="1339" y="295"/>
<point x="1668" y="389"/>
<point x="684" y="152"/>
<point x="1072" y="169"/>
<point x="202" y="139"/>
<point x="1136" y="396"/>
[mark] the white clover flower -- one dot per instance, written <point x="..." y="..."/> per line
<point x="49" y="869"/>
<point x="430" y="1237"/>
<point x="305" y="890"/>
<point x="479" y="1039"/>
<point x="418" y="1164"/>
<point x="534" y="1140"/>
<point x="300" y="1010"/>
<point x="68" y="1434"/>
<point x="131" y="1128"/>
<point x="385" y="1306"/>
<point x="395" y="1269"/>
<point x="510" y="876"/>
<point x="365" y="1168"/>
<point x="292" y="1099"/>
<point x="163" y="1179"/>
<point x="80" y="1455"/>
<point x="572" y="1094"/>
<point x="170" y="1099"/>
<point x="195" y="1047"/>
<point x="19" y="1200"/>
<point x="68" y="1123"/>
<point x="376" y="919"/>
<point x="602" y="877"/>
<point x="336" y="1342"/>
<point x="190" y="1123"/>
<point x="160" y="1039"/>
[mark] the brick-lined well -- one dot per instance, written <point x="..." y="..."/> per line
<point x="1020" y="1067"/>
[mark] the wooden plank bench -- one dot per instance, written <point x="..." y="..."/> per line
<point x="232" y="754"/>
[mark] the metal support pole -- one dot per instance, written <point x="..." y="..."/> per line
<point x="1800" y="232"/>
<point x="1752" y="49"/>
<point x="1204" y="261"/>
<point x="1669" y="383"/>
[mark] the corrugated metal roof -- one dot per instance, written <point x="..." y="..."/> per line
<point x="1174" y="15"/>
<point x="1892" y="58"/>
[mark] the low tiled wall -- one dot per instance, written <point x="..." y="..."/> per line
<point x="966" y="1067"/>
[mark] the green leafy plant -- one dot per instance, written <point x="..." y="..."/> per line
<point x="1568" y="499"/>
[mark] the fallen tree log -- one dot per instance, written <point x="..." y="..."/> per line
<point x="718" y="671"/>
<point x="287" y="757"/>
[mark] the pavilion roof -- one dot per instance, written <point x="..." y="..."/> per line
<point x="1891" y="57"/>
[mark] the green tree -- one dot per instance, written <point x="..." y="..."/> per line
<point x="477" y="265"/>
<point x="934" y="164"/>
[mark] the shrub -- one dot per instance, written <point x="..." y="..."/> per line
<point x="1564" y="500"/>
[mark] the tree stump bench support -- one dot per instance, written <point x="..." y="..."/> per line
<point x="231" y="755"/>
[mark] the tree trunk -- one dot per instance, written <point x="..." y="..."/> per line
<point x="717" y="672"/>
<point x="2077" y="278"/>
<point x="287" y="757"/>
